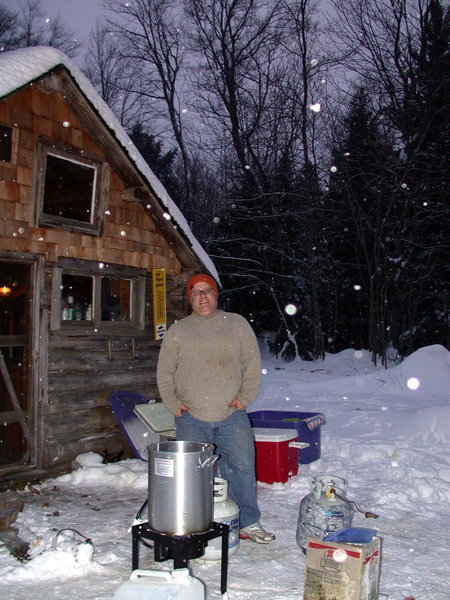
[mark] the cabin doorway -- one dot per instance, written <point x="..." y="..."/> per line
<point x="16" y="438"/>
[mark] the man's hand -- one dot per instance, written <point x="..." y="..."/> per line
<point x="180" y="412"/>
<point x="237" y="404"/>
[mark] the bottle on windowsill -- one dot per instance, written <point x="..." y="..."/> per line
<point x="65" y="313"/>
<point x="88" y="313"/>
<point x="78" y="312"/>
<point x="71" y="309"/>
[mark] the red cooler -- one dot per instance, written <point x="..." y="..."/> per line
<point x="276" y="454"/>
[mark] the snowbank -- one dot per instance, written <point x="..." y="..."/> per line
<point x="389" y="442"/>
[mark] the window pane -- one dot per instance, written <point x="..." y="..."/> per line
<point x="5" y="143"/>
<point x="116" y="297"/>
<point x="15" y="364"/>
<point x="13" y="298"/>
<point x="69" y="189"/>
<point x="76" y="298"/>
<point x="13" y="444"/>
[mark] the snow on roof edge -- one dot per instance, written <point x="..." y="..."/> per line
<point x="19" y="68"/>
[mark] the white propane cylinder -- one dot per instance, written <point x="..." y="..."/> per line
<point x="225" y="511"/>
<point x="323" y="511"/>
<point x="161" y="585"/>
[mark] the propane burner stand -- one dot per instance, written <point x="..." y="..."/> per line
<point x="181" y="548"/>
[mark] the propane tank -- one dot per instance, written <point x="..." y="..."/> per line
<point x="324" y="510"/>
<point x="225" y="511"/>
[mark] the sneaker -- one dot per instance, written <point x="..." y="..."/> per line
<point x="256" y="533"/>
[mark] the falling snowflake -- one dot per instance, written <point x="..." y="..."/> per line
<point x="413" y="383"/>
<point x="290" y="309"/>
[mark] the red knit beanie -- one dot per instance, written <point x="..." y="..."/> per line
<point x="197" y="279"/>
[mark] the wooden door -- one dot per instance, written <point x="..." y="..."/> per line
<point x="16" y="443"/>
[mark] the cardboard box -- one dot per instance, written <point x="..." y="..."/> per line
<point x="276" y="459"/>
<point x="336" y="571"/>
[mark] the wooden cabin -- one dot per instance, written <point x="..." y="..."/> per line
<point x="94" y="257"/>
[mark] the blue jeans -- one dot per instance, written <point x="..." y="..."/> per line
<point x="235" y="443"/>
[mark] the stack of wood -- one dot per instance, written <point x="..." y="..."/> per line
<point x="11" y="503"/>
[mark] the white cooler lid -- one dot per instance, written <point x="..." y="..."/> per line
<point x="269" y="434"/>
<point x="156" y="416"/>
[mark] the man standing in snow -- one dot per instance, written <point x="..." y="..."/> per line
<point x="209" y="371"/>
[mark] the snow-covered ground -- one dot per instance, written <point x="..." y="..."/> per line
<point x="387" y="433"/>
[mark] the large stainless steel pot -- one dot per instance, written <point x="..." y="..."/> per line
<point x="180" y="487"/>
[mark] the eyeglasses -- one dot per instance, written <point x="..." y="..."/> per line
<point x="206" y="292"/>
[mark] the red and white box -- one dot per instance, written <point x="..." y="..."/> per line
<point x="276" y="454"/>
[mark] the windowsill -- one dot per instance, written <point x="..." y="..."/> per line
<point x="85" y="329"/>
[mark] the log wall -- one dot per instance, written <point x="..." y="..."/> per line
<point x="83" y="371"/>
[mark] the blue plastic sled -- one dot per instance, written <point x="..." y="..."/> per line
<point x="138" y="434"/>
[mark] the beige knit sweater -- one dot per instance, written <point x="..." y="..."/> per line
<point x="207" y="361"/>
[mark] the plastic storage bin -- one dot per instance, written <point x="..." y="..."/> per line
<point x="307" y="426"/>
<point x="160" y="585"/>
<point x="276" y="455"/>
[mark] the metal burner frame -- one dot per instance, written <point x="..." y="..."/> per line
<point x="181" y="548"/>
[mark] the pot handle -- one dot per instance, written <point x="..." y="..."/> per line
<point x="209" y="461"/>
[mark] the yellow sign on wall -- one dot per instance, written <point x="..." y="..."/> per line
<point x="159" y="303"/>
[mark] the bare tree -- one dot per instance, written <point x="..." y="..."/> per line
<point x="115" y="77"/>
<point x="235" y="43"/>
<point x="384" y="43"/>
<point x="32" y="29"/>
<point x="308" y="64"/>
<point x="8" y="29"/>
<point x="149" y="36"/>
<point x="400" y="49"/>
<point x="255" y="84"/>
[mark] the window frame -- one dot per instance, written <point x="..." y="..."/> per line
<point x="137" y="278"/>
<point x="46" y="147"/>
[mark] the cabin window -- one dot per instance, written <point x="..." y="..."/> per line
<point x="71" y="189"/>
<point x="5" y="143"/>
<point x="98" y="297"/>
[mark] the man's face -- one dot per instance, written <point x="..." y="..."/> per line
<point x="203" y="299"/>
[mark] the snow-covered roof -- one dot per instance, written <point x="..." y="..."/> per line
<point x="18" y="68"/>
